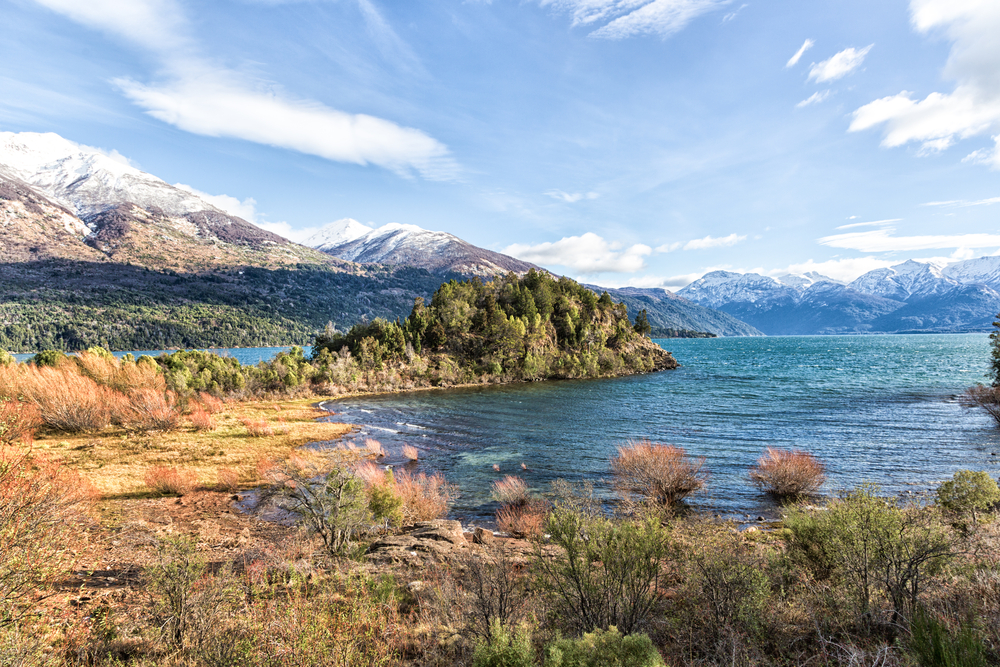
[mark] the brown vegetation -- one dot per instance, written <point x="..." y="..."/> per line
<point x="258" y="428"/>
<point x="201" y="419"/>
<point x="661" y="475"/>
<point x="163" y="481"/>
<point x="18" y="422"/>
<point x="411" y="453"/>
<point x="788" y="474"/>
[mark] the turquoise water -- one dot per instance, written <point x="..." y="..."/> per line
<point x="873" y="408"/>
<point x="248" y="356"/>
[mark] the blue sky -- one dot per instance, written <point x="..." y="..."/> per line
<point x="638" y="142"/>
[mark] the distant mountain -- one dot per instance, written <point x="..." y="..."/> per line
<point x="409" y="245"/>
<point x="911" y="296"/>
<point x="666" y="310"/>
<point x="59" y="199"/>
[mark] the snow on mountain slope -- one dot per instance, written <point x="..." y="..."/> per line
<point x="86" y="180"/>
<point x="411" y="245"/>
<point x="980" y="271"/>
<point x="902" y="281"/>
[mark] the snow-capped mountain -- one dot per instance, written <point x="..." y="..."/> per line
<point x="410" y="245"/>
<point x="911" y="296"/>
<point x="63" y="199"/>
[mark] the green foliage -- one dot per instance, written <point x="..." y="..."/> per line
<point x="933" y="645"/>
<point x="994" y="374"/>
<point x="172" y="581"/>
<point x="48" y="358"/>
<point x="642" y="326"/>
<point x="606" y="573"/>
<point x="6" y="358"/>
<point x="505" y="649"/>
<point x="872" y="546"/>
<point x="385" y="502"/>
<point x="607" y="648"/>
<point x="968" y="492"/>
<point x="734" y="584"/>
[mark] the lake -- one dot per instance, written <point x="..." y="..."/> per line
<point x="248" y="356"/>
<point x="872" y="408"/>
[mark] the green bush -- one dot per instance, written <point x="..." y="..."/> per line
<point x="607" y="648"/>
<point x="607" y="573"/>
<point x="505" y="649"/>
<point x="6" y="358"/>
<point x="968" y="492"/>
<point x="933" y="645"/>
<point x="48" y="358"/>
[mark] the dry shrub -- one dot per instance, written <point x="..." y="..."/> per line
<point x="212" y="404"/>
<point x="169" y="481"/>
<point x="526" y="520"/>
<point x="370" y="473"/>
<point x="425" y="497"/>
<point x="788" y="474"/>
<point x="66" y="400"/>
<point x="258" y="428"/>
<point x="661" y="475"/>
<point x="201" y="420"/>
<point x="121" y="376"/>
<point x="150" y="410"/>
<point x="510" y="490"/>
<point x="41" y="505"/>
<point x="375" y="447"/>
<point x="987" y="398"/>
<point x="18" y="422"/>
<point x="411" y="452"/>
<point x="228" y="480"/>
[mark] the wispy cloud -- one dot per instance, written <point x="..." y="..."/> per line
<point x="844" y="270"/>
<point x="964" y="202"/>
<point x="873" y="223"/>
<point x="571" y="197"/>
<point x="713" y="242"/>
<point x="972" y="108"/>
<point x="732" y="15"/>
<point x="794" y="60"/>
<point x="815" y="98"/>
<point x="838" y="66"/>
<point x="628" y="18"/>
<point x="882" y="240"/>
<point x="588" y="254"/>
<point x="246" y="209"/>
<point x="199" y="97"/>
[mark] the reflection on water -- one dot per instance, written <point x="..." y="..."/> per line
<point x="875" y="408"/>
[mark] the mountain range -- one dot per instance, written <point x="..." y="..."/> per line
<point x="909" y="297"/>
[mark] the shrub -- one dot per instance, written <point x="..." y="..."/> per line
<point x="603" y="648"/>
<point x="18" y="422"/>
<point x="732" y="581"/>
<point x="968" y="492"/>
<point x="987" y="398"/>
<point x="384" y="499"/>
<point x="228" y="480"/>
<point x="410" y="452"/>
<point x="788" y="474"/>
<point x="662" y="475"/>
<point x="169" y="481"/>
<point x="6" y="358"/>
<point x="606" y="574"/>
<point x="258" y="428"/>
<point x="510" y="490"/>
<point x="150" y="410"/>
<point x="525" y="521"/>
<point x="40" y="503"/>
<point x="66" y="400"/>
<point x="212" y="404"/>
<point x="499" y="594"/>
<point x="425" y="497"/>
<point x="934" y="645"/>
<point x="201" y="420"/>
<point x="375" y="447"/>
<point x="505" y="649"/>
<point x="330" y="500"/>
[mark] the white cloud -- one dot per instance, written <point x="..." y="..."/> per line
<point x="844" y="270"/>
<point x="965" y="202"/>
<point x="571" y="197"/>
<point x="712" y="242"/>
<point x="286" y="230"/>
<point x="873" y="223"/>
<point x="670" y="247"/>
<point x="732" y="15"/>
<point x="881" y="240"/>
<point x="628" y="18"/>
<point x="838" y="66"/>
<point x="972" y="108"/>
<point x="203" y="99"/>
<point x="246" y="209"/>
<point x="794" y="60"/>
<point x="815" y="98"/>
<point x="588" y="254"/>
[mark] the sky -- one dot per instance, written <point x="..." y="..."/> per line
<point x="620" y="142"/>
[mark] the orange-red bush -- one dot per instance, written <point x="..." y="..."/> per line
<point x="18" y="422"/>
<point x="525" y="520"/>
<point x="150" y="410"/>
<point x="411" y="452"/>
<point x="200" y="419"/>
<point x="66" y="400"/>
<point x="510" y="490"/>
<point x="211" y="403"/>
<point x="228" y="479"/>
<point x="659" y="474"/>
<point x="425" y="497"/>
<point x="258" y="428"/>
<point x="787" y="474"/>
<point x="166" y="481"/>
<point x="375" y="447"/>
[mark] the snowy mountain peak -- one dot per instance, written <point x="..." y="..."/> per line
<point x="801" y="281"/>
<point x="336" y="233"/>
<point x="87" y="180"/>
<point x="902" y="281"/>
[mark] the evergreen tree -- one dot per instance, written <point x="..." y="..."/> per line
<point x="642" y="326"/>
<point x="994" y="373"/>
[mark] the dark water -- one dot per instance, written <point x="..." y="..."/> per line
<point x="873" y="408"/>
<point x="248" y="356"/>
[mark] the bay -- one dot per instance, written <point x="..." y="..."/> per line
<point x="882" y="409"/>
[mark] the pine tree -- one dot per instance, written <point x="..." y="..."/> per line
<point x="994" y="373"/>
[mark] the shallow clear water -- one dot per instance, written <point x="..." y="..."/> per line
<point x="873" y="408"/>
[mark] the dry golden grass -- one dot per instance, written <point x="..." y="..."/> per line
<point x="115" y="460"/>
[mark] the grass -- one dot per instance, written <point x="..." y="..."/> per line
<point x="115" y="460"/>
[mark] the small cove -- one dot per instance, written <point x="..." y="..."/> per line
<point x="873" y="408"/>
